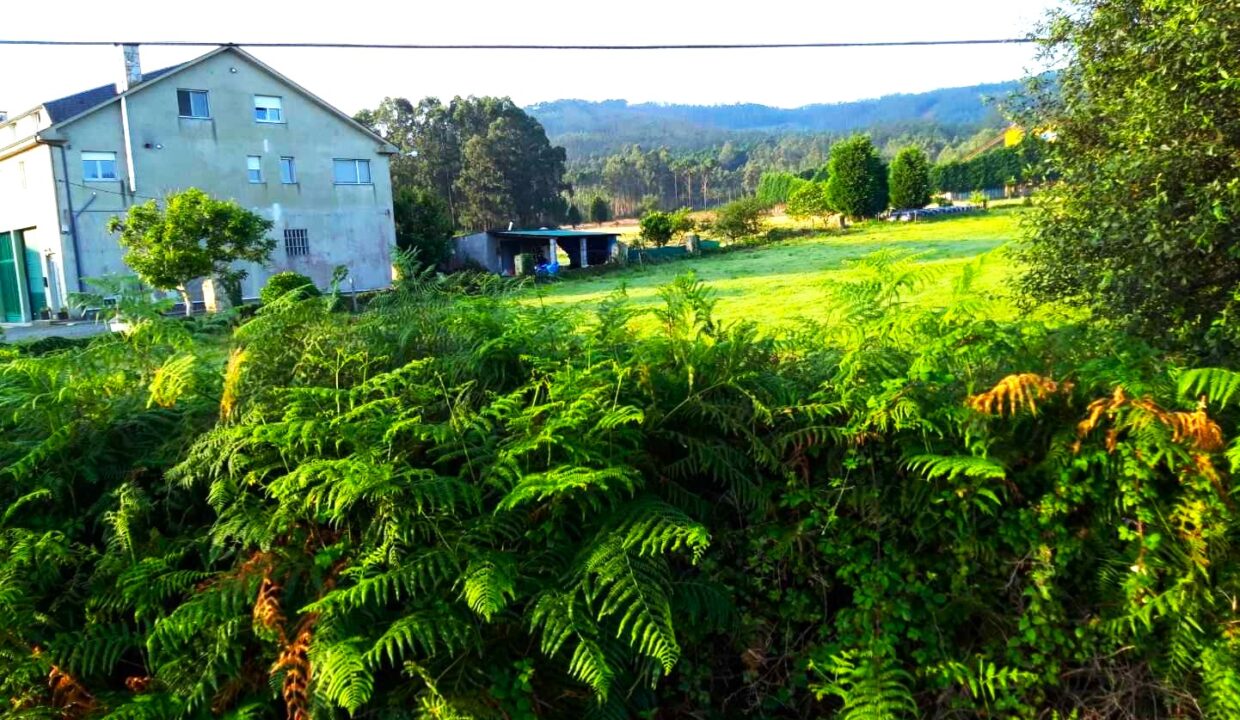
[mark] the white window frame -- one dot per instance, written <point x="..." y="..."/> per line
<point x="254" y="164"/>
<point x="206" y="98"/>
<point x="278" y="106"/>
<point x="99" y="156"/>
<point x="358" y="163"/>
<point x="291" y="163"/>
<point x="296" y="242"/>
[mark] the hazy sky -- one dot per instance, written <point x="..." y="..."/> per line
<point x="353" y="79"/>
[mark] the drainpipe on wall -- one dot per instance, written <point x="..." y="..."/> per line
<point x="73" y="232"/>
<point x="132" y="76"/>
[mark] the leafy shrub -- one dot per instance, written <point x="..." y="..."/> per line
<point x="809" y="201"/>
<point x="739" y="218"/>
<point x="657" y="228"/>
<point x="774" y="188"/>
<point x="285" y="283"/>
<point x="423" y="223"/>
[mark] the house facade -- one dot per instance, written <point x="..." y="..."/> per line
<point x="224" y="123"/>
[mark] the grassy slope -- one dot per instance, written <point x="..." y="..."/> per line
<point x="777" y="284"/>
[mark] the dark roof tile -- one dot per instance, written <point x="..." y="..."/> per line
<point x="72" y="105"/>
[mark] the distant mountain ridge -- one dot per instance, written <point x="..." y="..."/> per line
<point x="586" y="127"/>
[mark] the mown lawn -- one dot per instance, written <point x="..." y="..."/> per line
<point x="781" y="283"/>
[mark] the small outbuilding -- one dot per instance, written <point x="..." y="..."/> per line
<point x="497" y="250"/>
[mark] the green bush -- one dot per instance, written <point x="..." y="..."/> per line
<point x="283" y="283"/>
<point x="740" y="218"/>
<point x="657" y="228"/>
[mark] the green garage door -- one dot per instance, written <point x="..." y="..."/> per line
<point x="10" y="286"/>
<point x="34" y="278"/>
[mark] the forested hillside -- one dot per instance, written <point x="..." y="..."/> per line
<point x="592" y="128"/>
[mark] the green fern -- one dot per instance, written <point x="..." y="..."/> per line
<point x="870" y="685"/>
<point x="1218" y="385"/>
<point x="488" y="584"/>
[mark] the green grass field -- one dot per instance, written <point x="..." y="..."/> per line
<point x="778" y="284"/>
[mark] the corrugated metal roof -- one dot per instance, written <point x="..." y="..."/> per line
<point x="78" y="103"/>
<point x="553" y="233"/>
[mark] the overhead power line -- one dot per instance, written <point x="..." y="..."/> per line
<point x="539" y="46"/>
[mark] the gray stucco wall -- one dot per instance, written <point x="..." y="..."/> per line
<point x="479" y="247"/>
<point x="349" y="225"/>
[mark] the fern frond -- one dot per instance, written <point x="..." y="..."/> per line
<point x="956" y="466"/>
<point x="871" y="686"/>
<point x="1218" y="385"/>
<point x="173" y="379"/>
<point x="567" y="481"/>
<point x="489" y="583"/>
<point x="634" y="590"/>
<point x="341" y="674"/>
<point x="424" y="631"/>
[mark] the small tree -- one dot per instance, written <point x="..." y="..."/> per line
<point x="682" y="223"/>
<point x="192" y="236"/>
<point x="423" y="223"/>
<point x="910" y="179"/>
<point x="600" y="209"/>
<point x="740" y="218"/>
<point x="573" y="216"/>
<point x="809" y="201"/>
<point x="657" y="228"/>
<point x="857" y="186"/>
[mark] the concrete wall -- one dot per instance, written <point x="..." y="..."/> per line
<point x="28" y="204"/>
<point x="481" y="247"/>
<point x="348" y="225"/>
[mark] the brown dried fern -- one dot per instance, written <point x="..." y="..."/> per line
<point x="1014" y="392"/>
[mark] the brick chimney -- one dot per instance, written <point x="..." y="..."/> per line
<point x="133" y="68"/>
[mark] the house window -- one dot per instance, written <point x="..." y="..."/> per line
<point x="254" y="168"/>
<point x="296" y="242"/>
<point x="351" y="172"/>
<point x="288" y="171"/>
<point x="193" y="104"/>
<point x="98" y="166"/>
<point x="267" y="109"/>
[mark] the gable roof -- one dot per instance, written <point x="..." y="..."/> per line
<point x="67" y="109"/>
<point x="69" y="106"/>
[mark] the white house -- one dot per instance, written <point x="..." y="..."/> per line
<point x="223" y="122"/>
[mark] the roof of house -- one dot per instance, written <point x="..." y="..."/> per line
<point x="71" y="107"/>
<point x="78" y="103"/>
<point x="553" y="233"/>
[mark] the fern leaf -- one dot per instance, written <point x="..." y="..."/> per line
<point x="489" y="584"/>
<point x="634" y="590"/>
<point x="341" y="674"/>
<point x="1217" y="384"/>
<point x="956" y="466"/>
<point x="537" y="487"/>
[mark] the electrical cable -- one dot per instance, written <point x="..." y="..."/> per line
<point x="539" y="46"/>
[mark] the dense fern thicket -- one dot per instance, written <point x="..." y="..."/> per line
<point x="457" y="506"/>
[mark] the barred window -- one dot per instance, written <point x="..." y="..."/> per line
<point x="296" y="241"/>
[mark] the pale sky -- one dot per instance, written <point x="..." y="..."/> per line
<point x="354" y="79"/>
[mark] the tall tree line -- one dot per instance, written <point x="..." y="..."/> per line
<point x="486" y="159"/>
<point x="636" y="178"/>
